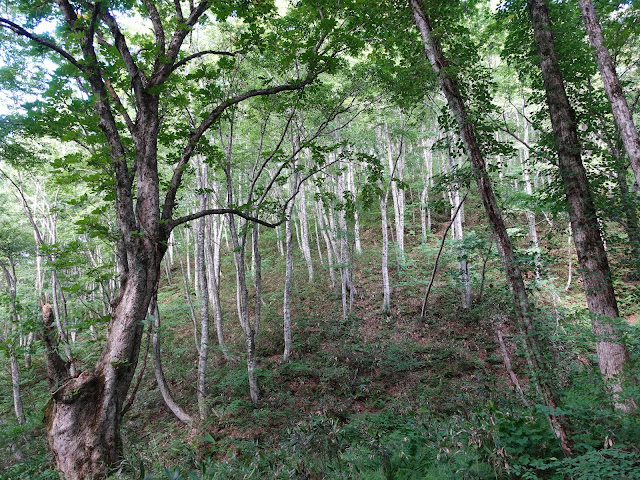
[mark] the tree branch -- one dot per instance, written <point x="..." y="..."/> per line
<point x="186" y="60"/>
<point x="163" y="69"/>
<point x="197" y="134"/>
<point x="435" y="264"/>
<point x="15" y="28"/>
<point x="158" y="29"/>
<point x="137" y="76"/>
<point x="221" y="211"/>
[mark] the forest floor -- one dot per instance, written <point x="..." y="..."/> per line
<point x="372" y="395"/>
<point x="372" y="370"/>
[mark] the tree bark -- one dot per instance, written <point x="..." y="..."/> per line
<point x="592" y="257"/>
<point x="396" y="167"/>
<point x="12" y="289"/>
<point x="384" y="223"/>
<point x="621" y="111"/>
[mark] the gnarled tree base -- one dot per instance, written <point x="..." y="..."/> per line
<point x="83" y="428"/>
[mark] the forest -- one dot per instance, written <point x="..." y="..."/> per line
<point x="314" y="239"/>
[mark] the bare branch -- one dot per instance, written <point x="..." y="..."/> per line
<point x="509" y="132"/>
<point x="221" y="211"/>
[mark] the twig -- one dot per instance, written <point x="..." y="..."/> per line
<point x="435" y="265"/>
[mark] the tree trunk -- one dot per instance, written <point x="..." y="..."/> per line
<point x="156" y="355"/>
<point x="301" y="210"/>
<point x="320" y="219"/>
<point x="621" y="111"/>
<point x="12" y="290"/>
<point x="457" y="207"/>
<point x="351" y="184"/>
<point x="630" y="223"/>
<point x="396" y="167"/>
<point x="286" y="307"/>
<point x="242" y="298"/>
<point x="201" y="269"/>
<point x="213" y="270"/>
<point x="386" y="289"/>
<point x="528" y="189"/>
<point x="84" y="417"/>
<point x="592" y="258"/>
<point x="503" y="242"/>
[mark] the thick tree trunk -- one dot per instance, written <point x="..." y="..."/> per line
<point x="594" y="265"/>
<point x="621" y="111"/>
<point x="84" y="417"/>
<point x="503" y="242"/>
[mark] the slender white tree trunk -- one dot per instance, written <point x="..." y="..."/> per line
<point x="286" y="308"/>
<point x="458" y="235"/>
<point x="213" y="275"/>
<point x="201" y="269"/>
<point x="396" y="166"/>
<point x="386" y="290"/>
<point x="324" y="228"/>
<point x="242" y="299"/>
<point x="315" y="224"/>
<point x="301" y="210"/>
<point x="356" y="217"/>
<point x="528" y="189"/>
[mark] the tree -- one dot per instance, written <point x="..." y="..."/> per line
<point x="621" y="111"/>
<point x="128" y="92"/>
<point x="456" y="104"/>
<point x="596" y="274"/>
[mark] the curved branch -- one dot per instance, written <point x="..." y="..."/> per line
<point x="197" y="134"/>
<point x="15" y="28"/>
<point x="187" y="59"/>
<point x="221" y="211"/>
